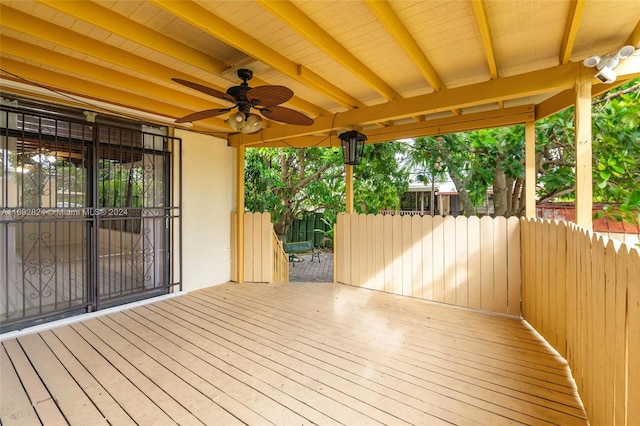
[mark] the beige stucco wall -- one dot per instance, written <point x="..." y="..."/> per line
<point x="208" y="198"/>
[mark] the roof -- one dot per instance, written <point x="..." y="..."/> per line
<point x="390" y="69"/>
<point x="567" y="211"/>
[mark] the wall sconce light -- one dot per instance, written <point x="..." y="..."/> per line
<point x="245" y="123"/>
<point x="352" y="146"/>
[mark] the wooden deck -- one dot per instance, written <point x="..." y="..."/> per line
<point x="293" y="354"/>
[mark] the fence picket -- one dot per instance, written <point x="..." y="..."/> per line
<point x="500" y="265"/>
<point x="378" y="244"/>
<point x="461" y="261"/>
<point x="474" y="262"/>
<point x="633" y="335"/>
<point x="561" y="289"/>
<point x="593" y="307"/>
<point x="513" y="264"/>
<point x="369" y="253"/>
<point x="486" y="260"/>
<point x="449" y="249"/>
<point x="438" y="259"/>
<point x="609" y="330"/>
<point x="266" y="273"/>
<point x="248" y="247"/>
<point x="407" y="256"/>
<point x="416" y="257"/>
<point x="427" y="257"/>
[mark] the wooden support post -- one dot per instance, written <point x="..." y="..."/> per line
<point x="584" y="154"/>
<point x="531" y="173"/>
<point x="349" y="189"/>
<point x="240" y="213"/>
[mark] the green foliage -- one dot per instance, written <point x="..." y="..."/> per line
<point x="261" y="181"/>
<point x="290" y="182"/>
<point x="472" y="160"/>
<point x="126" y="185"/>
<point x="616" y="153"/>
<point x="381" y="178"/>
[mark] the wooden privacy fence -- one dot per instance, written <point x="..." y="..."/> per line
<point x="264" y="256"/>
<point x="469" y="262"/>
<point x="581" y="291"/>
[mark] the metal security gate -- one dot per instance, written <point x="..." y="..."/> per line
<point x="87" y="218"/>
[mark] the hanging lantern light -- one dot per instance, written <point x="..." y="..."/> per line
<point x="352" y="146"/>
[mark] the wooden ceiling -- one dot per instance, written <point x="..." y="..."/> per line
<point x="391" y="69"/>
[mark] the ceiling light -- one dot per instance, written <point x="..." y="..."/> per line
<point x="236" y="120"/>
<point x="626" y="51"/>
<point x="245" y="123"/>
<point x="252" y="124"/>
<point x="607" y="63"/>
<point x="591" y="61"/>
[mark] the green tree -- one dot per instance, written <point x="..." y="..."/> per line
<point x="290" y="182"/>
<point x="494" y="158"/>
<point x="476" y="161"/>
<point x="616" y="153"/>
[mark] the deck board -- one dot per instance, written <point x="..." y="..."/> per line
<point x="456" y="370"/>
<point x="14" y="402"/>
<point x="299" y="353"/>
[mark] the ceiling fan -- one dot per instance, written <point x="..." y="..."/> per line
<point x="265" y="99"/>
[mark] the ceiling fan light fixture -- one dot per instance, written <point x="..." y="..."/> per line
<point x="252" y="124"/>
<point x="266" y="99"/>
<point x="236" y="120"/>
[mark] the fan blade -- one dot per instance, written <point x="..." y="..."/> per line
<point x="205" y="89"/>
<point x="286" y="115"/>
<point x="269" y="95"/>
<point x="201" y="115"/>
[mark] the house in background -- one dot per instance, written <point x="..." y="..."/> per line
<point x="446" y="200"/>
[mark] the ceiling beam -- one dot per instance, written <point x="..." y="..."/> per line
<point x="567" y="98"/>
<point x="485" y="34"/>
<point x="634" y="38"/>
<point x="385" y="14"/>
<point x="464" y="123"/>
<point x="301" y="23"/>
<point x="63" y="37"/>
<point x="118" y="24"/>
<point x="538" y="82"/>
<point x="487" y="119"/>
<point x="572" y="25"/>
<point x="111" y="21"/>
<point x="53" y="59"/>
<point x="22" y="90"/>
<point x="203" y="19"/>
<point x="67" y="86"/>
<point x="627" y="70"/>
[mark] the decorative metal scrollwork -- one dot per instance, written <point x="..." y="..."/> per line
<point x="39" y="268"/>
<point x="142" y="258"/>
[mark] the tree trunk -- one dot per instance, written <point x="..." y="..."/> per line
<point x="461" y="187"/>
<point x="500" y="204"/>
<point x="517" y="197"/>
